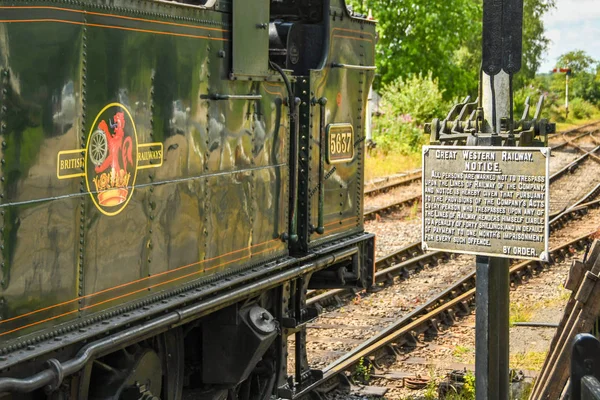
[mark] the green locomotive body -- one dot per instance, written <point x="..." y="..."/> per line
<point x="168" y="173"/>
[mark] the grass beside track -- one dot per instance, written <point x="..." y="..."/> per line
<point x="378" y="165"/>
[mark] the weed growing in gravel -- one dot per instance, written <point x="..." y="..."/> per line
<point x="520" y="313"/>
<point x="532" y="360"/>
<point x="362" y="372"/>
<point x="463" y="353"/>
<point x="468" y="391"/>
<point x="565" y="294"/>
<point x="562" y="297"/>
<point x="414" y="210"/>
<point x="431" y="390"/>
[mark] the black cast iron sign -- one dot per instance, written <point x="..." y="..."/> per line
<point x="489" y="201"/>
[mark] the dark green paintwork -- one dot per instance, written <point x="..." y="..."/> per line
<point x="351" y="42"/>
<point x="220" y="200"/>
<point x="222" y="187"/>
<point x="250" y="38"/>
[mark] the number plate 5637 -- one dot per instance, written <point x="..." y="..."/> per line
<point x="341" y="143"/>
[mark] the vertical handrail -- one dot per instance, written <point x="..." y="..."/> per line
<point x="322" y="146"/>
<point x="294" y="170"/>
<point x="293" y="104"/>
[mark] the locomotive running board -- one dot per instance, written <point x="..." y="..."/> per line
<point x="167" y="315"/>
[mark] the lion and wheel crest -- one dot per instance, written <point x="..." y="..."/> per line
<point x="110" y="160"/>
<point x="110" y="153"/>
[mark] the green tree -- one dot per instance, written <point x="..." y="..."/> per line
<point x="422" y="35"/>
<point x="444" y="37"/>
<point x="583" y="82"/>
<point x="578" y="60"/>
<point x="535" y="43"/>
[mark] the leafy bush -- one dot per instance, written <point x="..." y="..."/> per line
<point x="578" y="109"/>
<point x="556" y="113"/>
<point x="397" y="134"/>
<point x="419" y="97"/>
<point x="406" y="104"/>
<point x="582" y="109"/>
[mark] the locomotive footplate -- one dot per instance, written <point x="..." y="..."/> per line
<point x="107" y="331"/>
<point x="353" y="267"/>
<point x="357" y="271"/>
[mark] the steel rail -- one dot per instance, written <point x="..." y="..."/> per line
<point x="415" y="175"/>
<point x="576" y="211"/>
<point x="572" y="166"/>
<point x="419" y="260"/>
<point x="456" y="300"/>
<point x="407" y="179"/>
<point x="574" y="130"/>
<point x="569" y="142"/>
<point x="383" y="210"/>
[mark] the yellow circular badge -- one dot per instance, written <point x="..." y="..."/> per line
<point x="112" y="159"/>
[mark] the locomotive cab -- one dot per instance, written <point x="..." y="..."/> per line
<point x="327" y="55"/>
<point x="296" y="37"/>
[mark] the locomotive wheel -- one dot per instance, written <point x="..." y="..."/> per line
<point x="148" y="370"/>
<point x="259" y="384"/>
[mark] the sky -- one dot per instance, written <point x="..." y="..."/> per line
<point x="572" y="25"/>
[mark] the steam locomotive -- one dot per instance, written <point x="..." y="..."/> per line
<point x="174" y="177"/>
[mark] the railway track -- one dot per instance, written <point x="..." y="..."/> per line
<point x="573" y="181"/>
<point x="458" y="299"/>
<point x="573" y="162"/>
<point x="393" y="182"/>
<point x="411" y="258"/>
<point x="443" y="309"/>
<point x="567" y="137"/>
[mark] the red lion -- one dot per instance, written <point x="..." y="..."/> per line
<point x="116" y="143"/>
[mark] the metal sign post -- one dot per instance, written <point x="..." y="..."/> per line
<point x="483" y="195"/>
<point x="502" y="48"/>
<point x="492" y="285"/>
<point x="491" y="328"/>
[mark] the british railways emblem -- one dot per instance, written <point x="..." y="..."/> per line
<point x="111" y="159"/>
